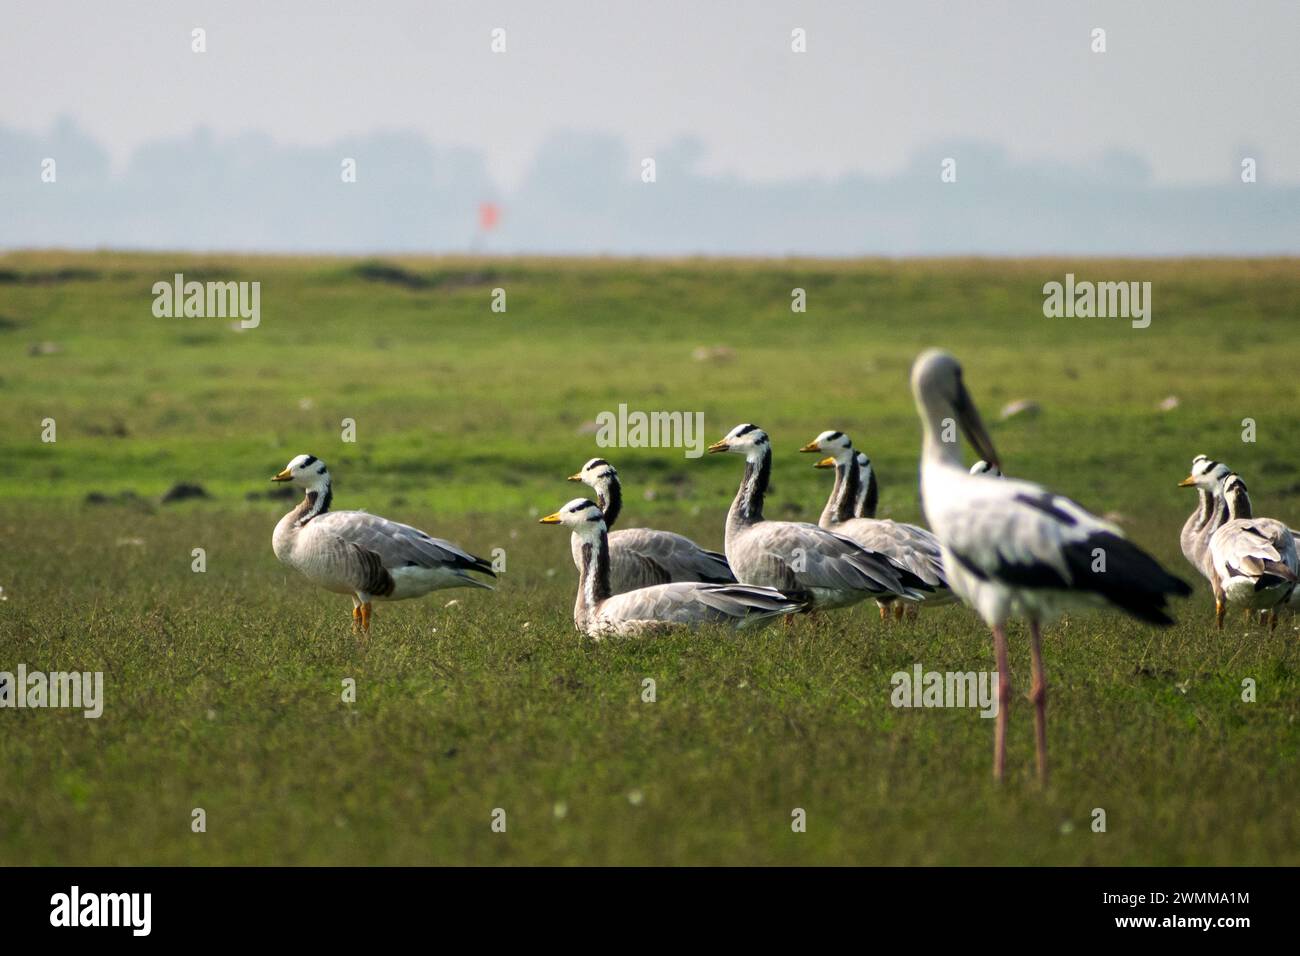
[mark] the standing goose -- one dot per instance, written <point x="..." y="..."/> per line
<point x="1013" y="548"/>
<point x="1207" y="477"/>
<point x="1254" y="559"/>
<point x="364" y="555"/>
<point x="640" y="557"/>
<point x="598" y="612"/>
<point x="905" y="544"/>
<point x="796" y="557"/>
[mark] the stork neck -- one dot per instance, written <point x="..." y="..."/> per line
<point x="934" y="450"/>
<point x="748" y="505"/>
<point x="609" y="496"/>
<point x="593" y="578"/>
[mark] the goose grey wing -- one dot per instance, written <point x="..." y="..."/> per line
<point x="399" y="545"/>
<point x="680" y="558"/>
<point x="686" y="603"/>
<point x="812" y="557"/>
<point x="1254" y="547"/>
<point x="908" y="545"/>
<point x="333" y="560"/>
<point x="749" y="602"/>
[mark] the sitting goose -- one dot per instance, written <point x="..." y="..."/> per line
<point x="905" y="544"/>
<point x="364" y="555"/>
<point x="598" y="612"/>
<point x="640" y="557"/>
<point x="796" y="557"/>
<point x="1254" y="559"/>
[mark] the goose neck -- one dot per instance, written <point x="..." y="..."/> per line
<point x="872" y="497"/>
<point x="317" y="502"/>
<point x="593" y="578"/>
<point x="847" y="484"/>
<point x="609" y="496"/>
<point x="748" y="505"/>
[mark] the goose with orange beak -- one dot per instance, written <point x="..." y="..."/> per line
<point x="1254" y="559"/>
<point x="363" y="555"/>
<point x="907" y="545"/>
<point x="599" y="613"/>
<point x="640" y="557"/>
<point x="797" y="557"/>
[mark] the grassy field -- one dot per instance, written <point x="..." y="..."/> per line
<point x="223" y="689"/>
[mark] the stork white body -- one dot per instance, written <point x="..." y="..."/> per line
<point x="1012" y="548"/>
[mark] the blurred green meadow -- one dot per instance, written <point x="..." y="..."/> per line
<point x="223" y="688"/>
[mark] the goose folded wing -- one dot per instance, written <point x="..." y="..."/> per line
<point x="691" y="603"/>
<point x="740" y="600"/>
<point x="399" y="545"/>
<point x="907" y="545"/>
<point x="342" y="561"/>
<point x="817" y="558"/>
<point x="666" y="603"/>
<point x="680" y="558"/>
<point x="1254" y="550"/>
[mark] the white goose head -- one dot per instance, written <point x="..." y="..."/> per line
<point x="748" y="440"/>
<point x="597" y="473"/>
<point x="1206" y="474"/>
<point x="581" y="515"/>
<point x="835" y="445"/>
<point x="982" y="467"/>
<point x="941" y="397"/>
<point x="306" y="472"/>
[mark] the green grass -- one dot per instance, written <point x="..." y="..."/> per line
<point x="223" y="688"/>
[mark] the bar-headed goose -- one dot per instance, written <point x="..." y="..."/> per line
<point x="1207" y="477"/>
<point x="905" y="544"/>
<point x="1013" y="548"/>
<point x="598" y="612"/>
<point x="1254" y="559"/>
<point x="796" y="557"/>
<point x="364" y="555"/>
<point x="640" y="557"/>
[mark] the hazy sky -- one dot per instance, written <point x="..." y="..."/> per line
<point x="1188" y="87"/>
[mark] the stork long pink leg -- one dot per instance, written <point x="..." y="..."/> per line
<point x="1004" y="703"/>
<point x="1038" y="694"/>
